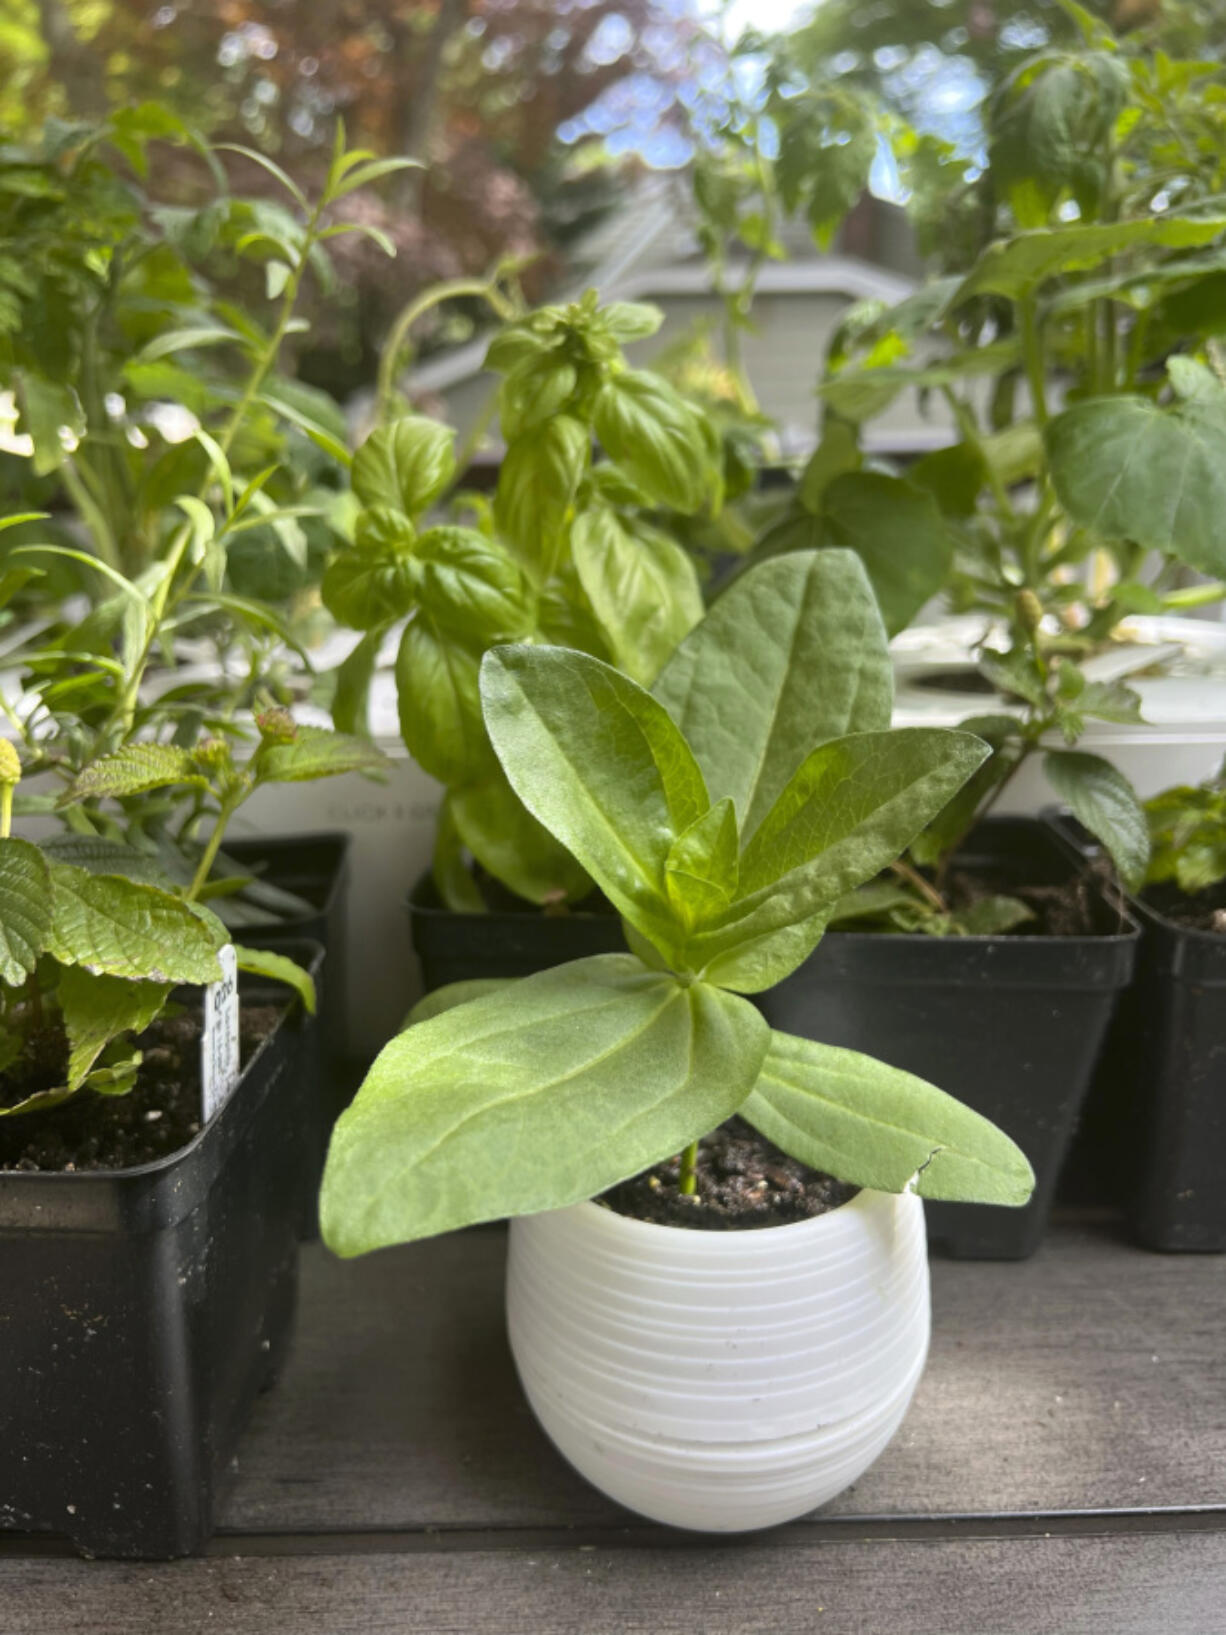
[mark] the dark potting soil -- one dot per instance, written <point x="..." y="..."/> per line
<point x="1205" y="911"/>
<point x="92" y="1132"/>
<point x="1069" y="909"/>
<point x="743" y="1182"/>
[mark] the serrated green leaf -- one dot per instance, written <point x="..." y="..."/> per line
<point x="314" y="752"/>
<point x="792" y="653"/>
<point x="534" y="1097"/>
<point x="1127" y="469"/>
<point x="264" y="962"/>
<point x="25" y="908"/>
<point x="1101" y="797"/>
<point x="405" y="465"/>
<point x="99" y="856"/>
<point x="875" y="1126"/>
<point x="135" y="769"/>
<point x="1015" y="267"/>
<point x="643" y="589"/>
<point x="118" y="927"/>
<point x="97" y="1009"/>
<point x="600" y="763"/>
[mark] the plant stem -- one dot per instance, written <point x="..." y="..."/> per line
<point x="6" y="809"/>
<point x="916" y="881"/>
<point x="687" y="1180"/>
<point x="453" y="289"/>
<point x="209" y="856"/>
<point x="1032" y="352"/>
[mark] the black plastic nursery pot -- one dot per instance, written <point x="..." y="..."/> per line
<point x="315" y="867"/>
<point x="1171" y="1039"/>
<point x="1154" y="1138"/>
<point x="1010" y="1025"/>
<point x="457" y="947"/>
<point x="142" y="1311"/>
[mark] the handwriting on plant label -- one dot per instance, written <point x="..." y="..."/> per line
<point x="219" y="1046"/>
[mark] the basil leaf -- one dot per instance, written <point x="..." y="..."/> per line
<point x="537" y="484"/>
<point x="651" y="431"/>
<point x="643" y="589"/>
<point x="438" y="695"/>
<point x="406" y="465"/>
<point x="471" y="586"/>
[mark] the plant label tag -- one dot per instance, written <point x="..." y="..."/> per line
<point x="219" y="1052"/>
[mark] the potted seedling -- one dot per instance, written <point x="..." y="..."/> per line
<point x="571" y="550"/>
<point x="720" y="1380"/>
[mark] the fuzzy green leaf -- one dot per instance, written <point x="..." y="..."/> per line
<point x="534" y="1097"/>
<point x="600" y="763"/>
<point x="875" y="1126"/>
<point x="703" y="864"/>
<point x="25" y="908"/>
<point x="1101" y="797"/>
<point x="134" y="769"/>
<point x="315" y="752"/>
<point x="792" y="653"/>
<point x="98" y="1009"/>
<point x="1127" y="469"/>
<point x="1016" y="266"/>
<point x="117" y="927"/>
<point x="855" y="805"/>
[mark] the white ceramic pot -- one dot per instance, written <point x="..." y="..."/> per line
<point x="721" y="1381"/>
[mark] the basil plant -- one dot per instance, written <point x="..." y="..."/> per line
<point x="724" y="814"/>
<point x="573" y="550"/>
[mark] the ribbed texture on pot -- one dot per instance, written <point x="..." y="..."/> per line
<point x="721" y="1380"/>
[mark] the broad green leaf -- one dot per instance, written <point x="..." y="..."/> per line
<point x="854" y="806"/>
<point x="703" y="864"/>
<point x="537" y="484"/>
<point x="135" y="769"/>
<point x="792" y="653"/>
<point x="898" y="532"/>
<point x="876" y="1126"/>
<point x="314" y="752"/>
<point x="538" y="387"/>
<point x="118" y="927"/>
<point x="98" y="1009"/>
<point x="599" y="762"/>
<point x="1101" y="797"/>
<point x="439" y="698"/>
<point x="405" y="465"/>
<point x="453" y="879"/>
<point x="25" y="908"/>
<point x="955" y="820"/>
<point x="861" y="393"/>
<point x="630" y="321"/>
<point x="643" y="589"/>
<point x="534" y="1097"/>
<point x="453" y="994"/>
<point x="366" y="589"/>
<point x="471" y="586"/>
<point x="1015" y="267"/>
<point x="263" y="962"/>
<point x="656" y="437"/>
<point x="354" y="675"/>
<point x="187" y="339"/>
<point x="47" y="411"/>
<point x="99" y="856"/>
<point x="1127" y="469"/>
<point x="507" y="840"/>
<point x="836" y="455"/>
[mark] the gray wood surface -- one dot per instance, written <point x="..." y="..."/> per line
<point x="1155" y="1585"/>
<point x="1091" y="1377"/>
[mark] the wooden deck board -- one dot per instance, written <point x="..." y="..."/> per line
<point x="1091" y="1377"/>
<point x="1155" y="1585"/>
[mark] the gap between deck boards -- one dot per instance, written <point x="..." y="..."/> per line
<point x="452" y="1540"/>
